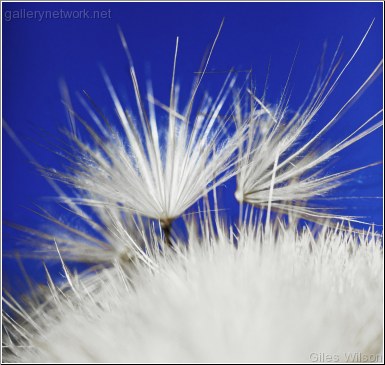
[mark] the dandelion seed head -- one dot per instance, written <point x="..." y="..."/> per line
<point x="273" y="290"/>
<point x="297" y="288"/>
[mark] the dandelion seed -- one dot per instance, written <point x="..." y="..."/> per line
<point x="299" y="175"/>
<point x="140" y="174"/>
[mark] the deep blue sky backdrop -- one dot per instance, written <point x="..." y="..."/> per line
<point x="37" y="53"/>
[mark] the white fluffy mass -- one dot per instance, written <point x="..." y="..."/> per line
<point x="278" y="296"/>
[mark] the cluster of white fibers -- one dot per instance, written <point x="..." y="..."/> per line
<point x="261" y="291"/>
<point x="282" y="296"/>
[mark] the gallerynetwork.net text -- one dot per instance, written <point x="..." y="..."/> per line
<point x="41" y="15"/>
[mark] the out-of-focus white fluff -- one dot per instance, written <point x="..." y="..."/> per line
<point x="279" y="296"/>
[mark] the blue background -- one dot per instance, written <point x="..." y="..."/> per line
<point x="36" y="54"/>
